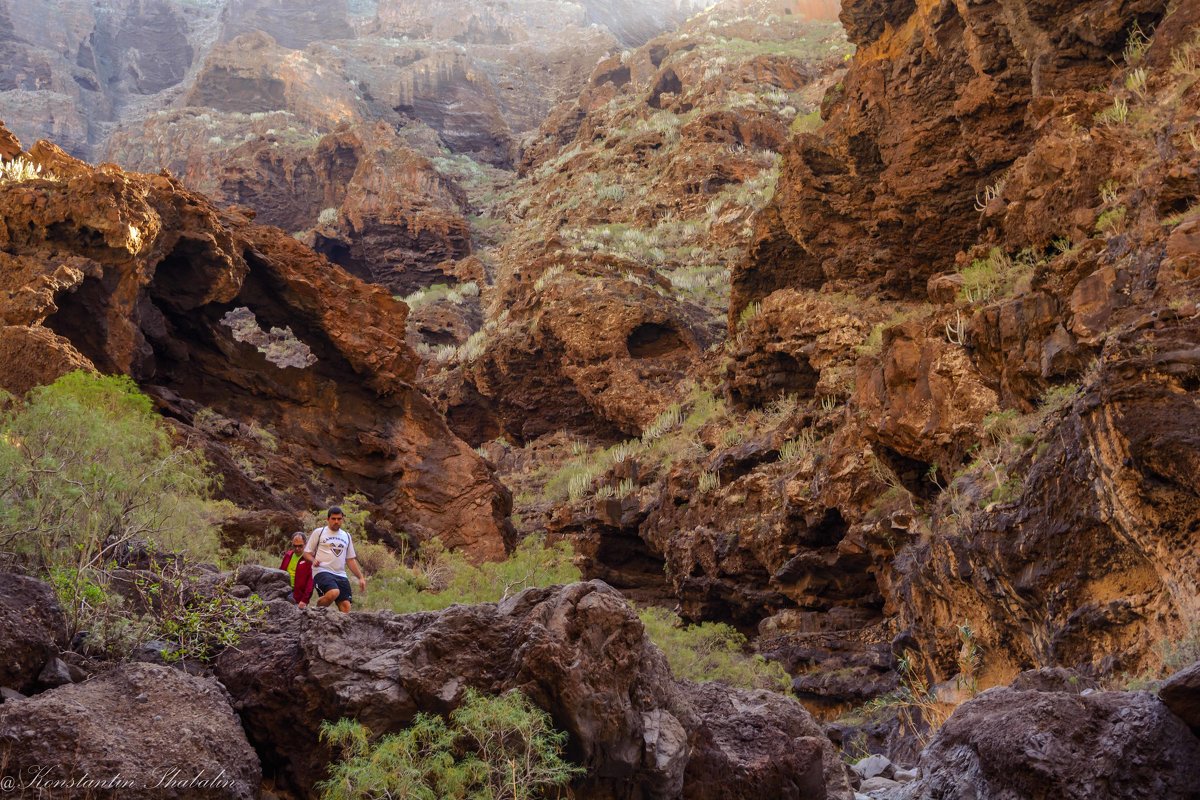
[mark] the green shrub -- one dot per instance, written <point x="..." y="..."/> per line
<point x="87" y="466"/>
<point x="1111" y="221"/>
<point x="499" y="748"/>
<point x="995" y="276"/>
<point x="807" y="123"/>
<point x="710" y="651"/>
<point x="86" y="469"/>
<point x="200" y="625"/>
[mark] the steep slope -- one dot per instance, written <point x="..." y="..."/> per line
<point x="633" y="203"/>
<point x="133" y="274"/>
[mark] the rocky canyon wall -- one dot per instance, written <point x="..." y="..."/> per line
<point x="134" y="274"/>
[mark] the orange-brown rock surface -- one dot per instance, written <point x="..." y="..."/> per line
<point x="941" y="101"/>
<point x="609" y="283"/>
<point x="134" y="274"/>
<point x="959" y="385"/>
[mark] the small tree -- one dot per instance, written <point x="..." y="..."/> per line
<point x="87" y="470"/>
<point x="493" y="748"/>
<point x="86" y="467"/>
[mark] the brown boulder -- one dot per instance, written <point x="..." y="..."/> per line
<point x="137" y="731"/>
<point x="594" y="344"/>
<point x="1099" y="746"/>
<point x="925" y="399"/>
<point x="577" y="651"/>
<point x="9" y="146"/>
<point x="799" y="343"/>
<point x="32" y="628"/>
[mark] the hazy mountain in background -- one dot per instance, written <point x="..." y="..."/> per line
<point x="76" y="71"/>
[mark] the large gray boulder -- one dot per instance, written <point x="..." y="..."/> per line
<point x="32" y="631"/>
<point x="578" y="651"/>
<point x="1009" y="744"/>
<point x="136" y="731"/>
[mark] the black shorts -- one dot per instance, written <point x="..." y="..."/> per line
<point x="325" y="581"/>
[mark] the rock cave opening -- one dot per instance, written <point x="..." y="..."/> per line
<point x="776" y="374"/>
<point x="626" y="562"/>
<point x="185" y="277"/>
<point x="914" y="475"/>
<point x="830" y="530"/>
<point x="654" y="340"/>
<point x="473" y="420"/>
<point x="340" y="253"/>
<point x="668" y="83"/>
<point x="81" y="320"/>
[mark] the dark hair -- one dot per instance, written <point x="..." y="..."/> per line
<point x="334" y="510"/>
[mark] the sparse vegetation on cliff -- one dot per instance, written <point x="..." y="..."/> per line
<point x="711" y="651"/>
<point x="438" y="578"/>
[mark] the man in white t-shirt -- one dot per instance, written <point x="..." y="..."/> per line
<point x="331" y="551"/>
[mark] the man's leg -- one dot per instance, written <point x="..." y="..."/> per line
<point x="345" y="594"/>
<point x="344" y="606"/>
<point x="328" y="589"/>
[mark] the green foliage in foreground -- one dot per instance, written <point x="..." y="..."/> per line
<point x="492" y="748"/>
<point x="711" y="651"/>
<point x="87" y="468"/>
<point x="440" y="579"/>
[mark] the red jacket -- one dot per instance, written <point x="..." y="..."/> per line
<point x="303" y="588"/>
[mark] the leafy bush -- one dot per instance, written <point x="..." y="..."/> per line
<point x="440" y="578"/>
<point x="710" y="651"/>
<point x="86" y="466"/>
<point x="87" y="470"/>
<point x="499" y="748"/>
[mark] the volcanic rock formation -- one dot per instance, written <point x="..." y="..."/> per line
<point x="577" y="651"/>
<point x="609" y="284"/>
<point x="134" y="274"/>
<point x="941" y="100"/>
<point x="958" y="395"/>
<point x="138" y="731"/>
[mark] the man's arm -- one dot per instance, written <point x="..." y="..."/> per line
<point x="352" y="563"/>
<point x="310" y="549"/>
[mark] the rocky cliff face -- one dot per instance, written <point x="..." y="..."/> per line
<point x="293" y="375"/>
<point x="957" y="390"/>
<point x="71" y="74"/>
<point x="942" y="100"/>
<point x="634" y="199"/>
<point x="1023" y="426"/>
<point x="75" y="74"/>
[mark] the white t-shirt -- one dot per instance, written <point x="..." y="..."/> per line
<point x="331" y="549"/>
